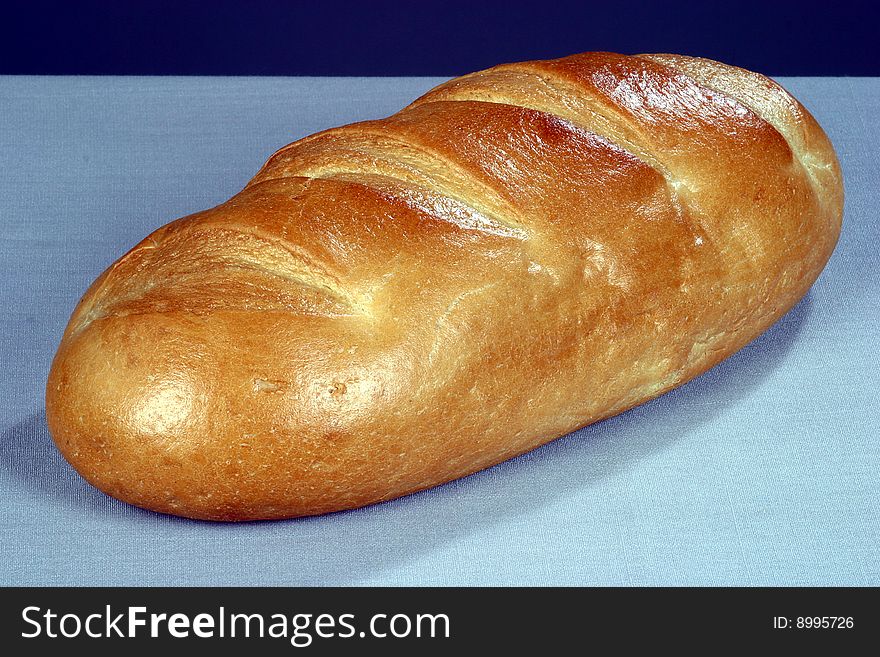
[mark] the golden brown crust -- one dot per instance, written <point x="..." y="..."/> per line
<point x="393" y="304"/>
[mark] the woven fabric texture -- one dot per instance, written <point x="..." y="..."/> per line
<point x="764" y="471"/>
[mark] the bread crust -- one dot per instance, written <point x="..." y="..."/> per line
<point x="393" y="304"/>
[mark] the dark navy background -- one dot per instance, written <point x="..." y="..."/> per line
<point x="271" y="37"/>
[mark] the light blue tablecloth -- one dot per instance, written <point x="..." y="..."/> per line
<point x="763" y="471"/>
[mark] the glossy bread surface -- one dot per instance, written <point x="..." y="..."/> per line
<point x="393" y="304"/>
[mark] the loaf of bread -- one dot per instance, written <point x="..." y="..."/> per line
<point x="393" y="304"/>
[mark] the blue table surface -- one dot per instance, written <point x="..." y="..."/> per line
<point x="764" y="471"/>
